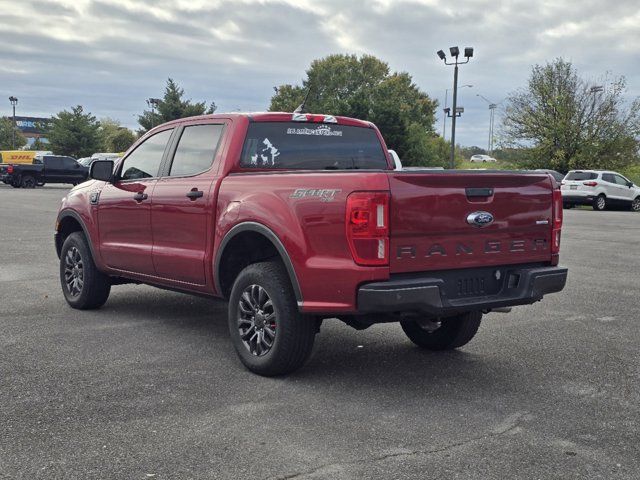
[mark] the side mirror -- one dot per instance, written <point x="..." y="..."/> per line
<point x="101" y="170"/>
<point x="629" y="184"/>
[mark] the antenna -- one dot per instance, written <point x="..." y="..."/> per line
<point x="300" y="108"/>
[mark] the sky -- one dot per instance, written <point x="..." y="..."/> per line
<point x="111" y="55"/>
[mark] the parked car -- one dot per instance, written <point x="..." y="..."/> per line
<point x="295" y="218"/>
<point x="482" y="158"/>
<point x="600" y="189"/>
<point x="53" y="169"/>
<point x="556" y="175"/>
<point x="397" y="164"/>
<point x="85" y="161"/>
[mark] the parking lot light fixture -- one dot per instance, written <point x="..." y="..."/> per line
<point x="153" y="103"/>
<point x="14" y="102"/>
<point x="447" y="110"/>
<point x="455" y="53"/>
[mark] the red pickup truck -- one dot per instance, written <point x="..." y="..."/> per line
<point x="295" y="218"/>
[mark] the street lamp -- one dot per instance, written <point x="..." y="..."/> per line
<point x="444" y="117"/>
<point x="153" y="103"/>
<point x="492" y="110"/>
<point x="455" y="52"/>
<point x="14" y="102"/>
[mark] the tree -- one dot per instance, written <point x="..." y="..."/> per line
<point x="568" y="123"/>
<point x="38" y="145"/>
<point x="114" y="137"/>
<point x="172" y="107"/>
<point x="6" y="135"/>
<point x="363" y="87"/>
<point x="74" y="133"/>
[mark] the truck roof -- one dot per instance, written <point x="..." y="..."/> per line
<point x="282" y="117"/>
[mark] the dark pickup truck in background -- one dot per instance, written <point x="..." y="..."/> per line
<point x="49" y="169"/>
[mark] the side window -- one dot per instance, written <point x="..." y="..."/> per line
<point x="144" y="161"/>
<point x="607" y="177"/>
<point x="620" y="180"/>
<point x="69" y="162"/>
<point x="196" y="149"/>
<point x="53" y="162"/>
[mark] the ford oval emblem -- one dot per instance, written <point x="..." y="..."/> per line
<point x="480" y="219"/>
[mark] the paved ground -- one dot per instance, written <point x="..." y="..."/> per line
<point x="149" y="386"/>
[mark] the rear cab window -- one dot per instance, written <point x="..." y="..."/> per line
<point x="196" y="149"/>
<point x="579" y="176"/>
<point x="312" y="146"/>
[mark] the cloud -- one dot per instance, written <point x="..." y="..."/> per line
<point x="110" y="55"/>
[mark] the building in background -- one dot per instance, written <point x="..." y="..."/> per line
<point x="33" y="127"/>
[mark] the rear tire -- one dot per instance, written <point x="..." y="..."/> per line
<point x="83" y="285"/>
<point x="267" y="330"/>
<point x="28" y="182"/>
<point x="600" y="203"/>
<point x="454" y="332"/>
<point x="635" y="205"/>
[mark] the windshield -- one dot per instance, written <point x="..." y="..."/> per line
<point x="296" y="145"/>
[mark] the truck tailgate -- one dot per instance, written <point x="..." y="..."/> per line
<point x="430" y="229"/>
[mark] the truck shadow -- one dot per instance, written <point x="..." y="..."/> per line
<point x="379" y="358"/>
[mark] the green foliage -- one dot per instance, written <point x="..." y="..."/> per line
<point x="468" y="152"/>
<point x="74" y="133"/>
<point x="115" y="138"/>
<point x="632" y="172"/>
<point x="363" y="87"/>
<point x="172" y="107"/>
<point x="565" y="124"/>
<point x="6" y="135"/>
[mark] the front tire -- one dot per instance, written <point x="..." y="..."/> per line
<point x="268" y="332"/>
<point x="635" y="205"/>
<point x="600" y="203"/>
<point x="453" y="332"/>
<point x="83" y="285"/>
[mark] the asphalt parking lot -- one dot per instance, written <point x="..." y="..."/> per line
<point x="149" y="386"/>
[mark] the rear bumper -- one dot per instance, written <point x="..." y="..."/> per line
<point x="428" y="293"/>
<point x="586" y="199"/>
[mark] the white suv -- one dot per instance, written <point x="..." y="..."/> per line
<point x="599" y="188"/>
<point x="481" y="158"/>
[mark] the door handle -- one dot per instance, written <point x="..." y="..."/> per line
<point x="195" y="193"/>
<point x="138" y="197"/>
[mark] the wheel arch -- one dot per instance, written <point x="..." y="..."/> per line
<point x="240" y="240"/>
<point x="67" y="223"/>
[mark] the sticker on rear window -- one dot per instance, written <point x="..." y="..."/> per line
<point x="323" y="130"/>
<point x="266" y="156"/>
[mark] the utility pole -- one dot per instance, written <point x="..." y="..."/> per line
<point x="455" y="53"/>
<point x="14" y="102"/>
<point x="492" y="111"/>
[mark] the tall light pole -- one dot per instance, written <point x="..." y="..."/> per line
<point x="444" y="115"/>
<point x="14" y="102"/>
<point x="455" y="53"/>
<point x="492" y="111"/>
<point x="153" y="103"/>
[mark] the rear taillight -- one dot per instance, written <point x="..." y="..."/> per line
<point x="367" y="222"/>
<point x="10" y="169"/>
<point x="556" y="224"/>
<point x="590" y="184"/>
